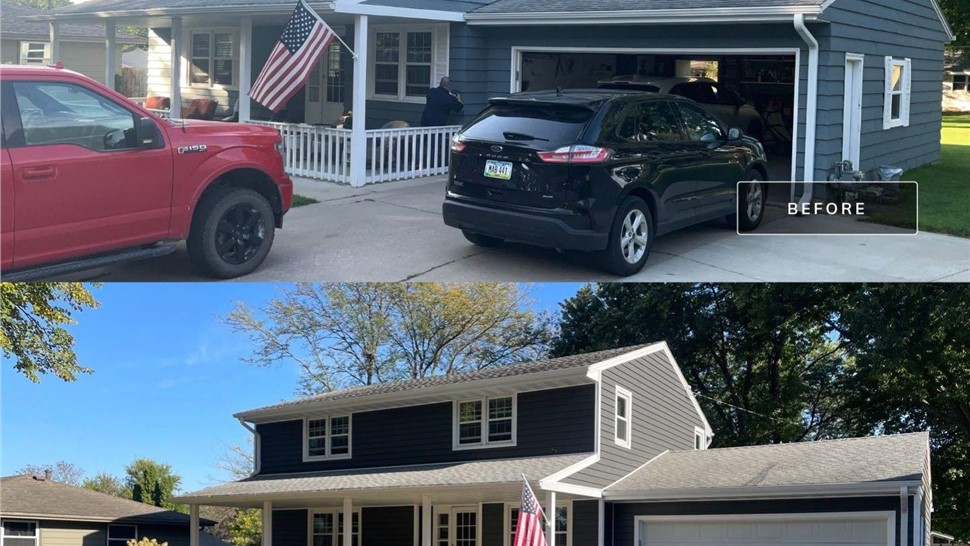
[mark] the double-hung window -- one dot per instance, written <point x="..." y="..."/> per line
<point x="624" y="411"/>
<point x="326" y="438"/>
<point x="19" y="533"/>
<point x="897" y="93"/>
<point x="485" y="422"/>
<point x="212" y="61"/>
<point x="35" y="53"/>
<point x="700" y="438"/>
<point x="119" y="535"/>
<point x="326" y="528"/>
<point x="562" y="524"/>
<point x="960" y="82"/>
<point x="404" y="62"/>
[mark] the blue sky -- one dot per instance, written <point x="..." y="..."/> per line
<point x="167" y="379"/>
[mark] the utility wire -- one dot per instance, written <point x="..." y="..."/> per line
<point x="740" y="408"/>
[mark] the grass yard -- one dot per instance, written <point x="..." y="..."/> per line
<point x="944" y="187"/>
<point x="299" y="201"/>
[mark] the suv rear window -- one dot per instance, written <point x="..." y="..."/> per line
<point x="543" y="125"/>
<point x="621" y="86"/>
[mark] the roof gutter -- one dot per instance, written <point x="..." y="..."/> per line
<point x="889" y="488"/>
<point x="811" y="108"/>
<point x="627" y="17"/>
<point x="257" y="463"/>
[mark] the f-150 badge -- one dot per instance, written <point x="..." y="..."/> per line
<point x="194" y="149"/>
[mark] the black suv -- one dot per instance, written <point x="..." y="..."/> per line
<point x="599" y="170"/>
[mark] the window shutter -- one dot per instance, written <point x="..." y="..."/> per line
<point x="907" y="88"/>
<point x="887" y="102"/>
<point x="442" y="32"/>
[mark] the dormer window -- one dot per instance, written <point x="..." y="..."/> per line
<point x="326" y="438"/>
<point x="486" y="422"/>
<point x="624" y="411"/>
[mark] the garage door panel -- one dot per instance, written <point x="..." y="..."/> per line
<point x="768" y="532"/>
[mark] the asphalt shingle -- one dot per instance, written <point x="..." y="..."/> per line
<point x="12" y="25"/>
<point x="566" y="6"/>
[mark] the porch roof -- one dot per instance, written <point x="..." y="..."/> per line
<point x="338" y="483"/>
<point x="14" y="25"/>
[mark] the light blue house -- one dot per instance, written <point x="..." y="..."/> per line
<point x="856" y="80"/>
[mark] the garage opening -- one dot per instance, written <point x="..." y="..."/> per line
<point x="755" y="92"/>
<point x="835" y="529"/>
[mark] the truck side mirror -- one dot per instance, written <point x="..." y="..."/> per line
<point x="148" y="136"/>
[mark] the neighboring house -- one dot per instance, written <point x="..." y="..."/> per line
<point x="956" y="81"/>
<point x="36" y="511"/>
<point x="614" y="444"/>
<point x="860" y="78"/>
<point x="28" y="42"/>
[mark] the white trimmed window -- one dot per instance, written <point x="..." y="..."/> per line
<point x="487" y="422"/>
<point x="119" y="535"/>
<point x="700" y="438"/>
<point x="326" y="438"/>
<point x="899" y="75"/>
<point x="405" y="62"/>
<point x="624" y="417"/>
<point x="326" y="528"/>
<point x="19" y="533"/>
<point x="35" y="53"/>
<point x="213" y="58"/>
<point x="563" y="523"/>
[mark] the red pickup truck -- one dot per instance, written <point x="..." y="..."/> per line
<point x="89" y="178"/>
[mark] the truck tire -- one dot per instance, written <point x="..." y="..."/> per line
<point x="232" y="232"/>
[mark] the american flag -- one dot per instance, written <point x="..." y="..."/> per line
<point x="529" y="529"/>
<point x="304" y="39"/>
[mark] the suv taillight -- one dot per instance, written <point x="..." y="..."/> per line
<point x="457" y="145"/>
<point x="577" y="153"/>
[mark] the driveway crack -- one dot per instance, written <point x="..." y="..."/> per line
<point x="709" y="265"/>
<point x="439" y="266"/>
<point x="948" y="275"/>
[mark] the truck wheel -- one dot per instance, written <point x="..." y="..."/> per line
<point x="630" y="238"/>
<point x="232" y="232"/>
<point x="481" y="240"/>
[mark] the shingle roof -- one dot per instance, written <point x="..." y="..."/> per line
<point x="565" y="6"/>
<point x="474" y="473"/>
<point x="550" y="364"/>
<point x="30" y="496"/>
<point x="95" y="6"/>
<point x="12" y="25"/>
<point x="900" y="457"/>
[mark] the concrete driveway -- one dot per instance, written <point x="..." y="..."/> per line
<point x="394" y="232"/>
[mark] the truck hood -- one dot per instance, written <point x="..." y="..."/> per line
<point x="220" y="128"/>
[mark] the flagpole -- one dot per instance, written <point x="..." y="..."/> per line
<point x="544" y="518"/>
<point x="335" y="35"/>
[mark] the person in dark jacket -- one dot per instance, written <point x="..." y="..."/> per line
<point x="441" y="101"/>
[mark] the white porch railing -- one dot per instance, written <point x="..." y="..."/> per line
<point x="392" y="154"/>
<point x="141" y="102"/>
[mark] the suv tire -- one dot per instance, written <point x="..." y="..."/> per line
<point x="478" y="239"/>
<point x="631" y="237"/>
<point x="752" y="200"/>
<point x="232" y="232"/>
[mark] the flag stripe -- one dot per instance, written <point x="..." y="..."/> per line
<point x="530" y="527"/>
<point x="296" y="71"/>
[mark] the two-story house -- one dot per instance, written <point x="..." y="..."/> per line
<point x="614" y="443"/>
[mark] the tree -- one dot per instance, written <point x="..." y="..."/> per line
<point x="42" y="4"/>
<point x="957" y="13"/>
<point x="238" y="526"/>
<point x="108" y="484"/>
<point x="61" y="471"/>
<point x="153" y="483"/>
<point x="360" y="334"/>
<point x="34" y="316"/>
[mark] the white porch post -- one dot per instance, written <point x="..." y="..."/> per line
<point x="348" y="527"/>
<point x="245" y="67"/>
<point x="55" y="38"/>
<point x="358" y="138"/>
<point x="425" y="520"/>
<point x="110" y="52"/>
<point x="175" y="69"/>
<point x="267" y="523"/>
<point x="551" y="516"/>
<point x="193" y="525"/>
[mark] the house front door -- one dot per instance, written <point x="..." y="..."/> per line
<point x="325" y="88"/>
<point x="456" y="526"/>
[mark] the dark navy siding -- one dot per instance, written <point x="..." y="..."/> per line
<point x="620" y="516"/>
<point x="289" y="527"/>
<point x="493" y="524"/>
<point x="550" y="422"/>
<point x="387" y="526"/>
<point x="585" y="523"/>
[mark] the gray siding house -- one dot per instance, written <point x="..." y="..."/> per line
<point x="854" y="80"/>
<point x="613" y="443"/>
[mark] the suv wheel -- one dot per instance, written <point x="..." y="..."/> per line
<point x="232" y="232"/>
<point x="630" y="237"/>
<point x="751" y="203"/>
<point x="481" y="240"/>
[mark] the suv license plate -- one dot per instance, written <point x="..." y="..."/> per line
<point x="498" y="169"/>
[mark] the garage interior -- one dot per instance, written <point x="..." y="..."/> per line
<point x="766" y="82"/>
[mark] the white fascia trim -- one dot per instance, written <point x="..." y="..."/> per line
<point x="761" y="492"/>
<point x="637" y="469"/>
<point x="167" y="12"/>
<point x="356" y="8"/>
<point x="702" y="15"/>
<point x="582" y="490"/>
<point x="568" y="471"/>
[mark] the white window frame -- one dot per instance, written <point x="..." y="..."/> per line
<point x="402" y="31"/>
<point x="108" y="539"/>
<point x="336" y="523"/>
<point x="483" y="442"/>
<point x="700" y="438"/>
<point x="36" y="537"/>
<point x="904" y="93"/>
<point x="25" y="47"/>
<point x="187" y="57"/>
<point x="507" y="521"/>
<point x="329" y="456"/>
<point x="628" y="443"/>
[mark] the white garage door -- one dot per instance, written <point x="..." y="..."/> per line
<point x="808" y="530"/>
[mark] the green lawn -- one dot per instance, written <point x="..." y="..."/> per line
<point x="944" y="187"/>
<point x="299" y="200"/>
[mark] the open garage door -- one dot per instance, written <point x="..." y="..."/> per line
<point x="842" y="529"/>
<point x="763" y="80"/>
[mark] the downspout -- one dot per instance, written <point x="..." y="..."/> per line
<point x="256" y="445"/>
<point x="811" y="105"/>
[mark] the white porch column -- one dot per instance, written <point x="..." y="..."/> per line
<point x="245" y="67"/>
<point x="193" y="522"/>
<point x="425" y="520"/>
<point x="55" y="39"/>
<point x="267" y="523"/>
<point x="551" y="516"/>
<point x="358" y="138"/>
<point x="110" y="52"/>
<point x="175" y="69"/>
<point x="348" y="527"/>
